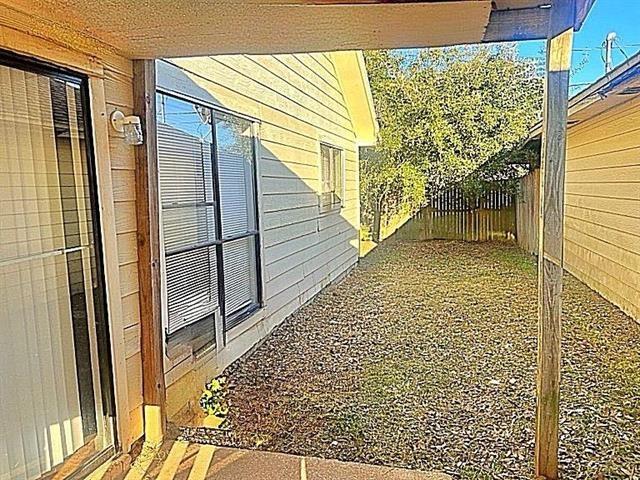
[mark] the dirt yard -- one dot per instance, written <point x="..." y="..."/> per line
<point x="425" y="357"/>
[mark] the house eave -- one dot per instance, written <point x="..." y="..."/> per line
<point x="158" y="28"/>
<point x="607" y="92"/>
<point x="354" y="81"/>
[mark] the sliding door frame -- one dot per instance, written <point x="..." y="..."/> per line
<point x="100" y="303"/>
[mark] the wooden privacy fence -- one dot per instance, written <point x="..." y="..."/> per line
<point x="451" y="216"/>
<point x="527" y="206"/>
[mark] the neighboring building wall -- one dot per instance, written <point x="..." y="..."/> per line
<point x="299" y="102"/>
<point x="602" y="205"/>
<point x="111" y="87"/>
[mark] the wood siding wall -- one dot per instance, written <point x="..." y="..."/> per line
<point x="119" y="89"/>
<point x="602" y="212"/>
<point x="299" y="103"/>
<point x="110" y="80"/>
<point x="602" y="206"/>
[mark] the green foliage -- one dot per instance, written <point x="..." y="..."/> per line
<point x="443" y="113"/>
<point x="388" y="185"/>
<point x="502" y="170"/>
<point x="213" y="399"/>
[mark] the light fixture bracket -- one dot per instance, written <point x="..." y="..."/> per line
<point x="129" y="125"/>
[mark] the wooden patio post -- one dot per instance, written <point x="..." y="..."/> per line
<point x="147" y="205"/>
<point x="550" y="259"/>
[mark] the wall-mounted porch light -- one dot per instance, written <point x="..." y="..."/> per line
<point x="129" y="125"/>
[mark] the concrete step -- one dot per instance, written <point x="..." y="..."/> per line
<point x="234" y="464"/>
<point x="182" y="460"/>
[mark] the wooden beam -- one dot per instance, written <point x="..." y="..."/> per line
<point x="147" y="205"/>
<point x="550" y="259"/>
<point x="517" y="24"/>
<point x="583" y="7"/>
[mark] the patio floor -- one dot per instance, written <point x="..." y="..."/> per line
<point x="182" y="460"/>
<point x="425" y="357"/>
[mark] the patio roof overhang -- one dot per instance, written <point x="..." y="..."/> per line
<point x="174" y="28"/>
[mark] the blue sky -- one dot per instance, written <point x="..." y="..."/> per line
<point x="620" y="16"/>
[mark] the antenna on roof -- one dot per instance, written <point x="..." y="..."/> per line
<point x="608" y="47"/>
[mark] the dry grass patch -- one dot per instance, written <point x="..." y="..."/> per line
<point x="425" y="357"/>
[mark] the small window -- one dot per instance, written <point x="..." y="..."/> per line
<point x="332" y="193"/>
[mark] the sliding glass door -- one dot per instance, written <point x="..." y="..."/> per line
<point x="55" y="394"/>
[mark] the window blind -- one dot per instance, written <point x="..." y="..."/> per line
<point x="50" y="388"/>
<point x="235" y="195"/>
<point x="240" y="276"/>
<point x="331" y="172"/>
<point x="337" y="176"/>
<point x="208" y="212"/>
<point x="191" y="286"/>
<point x="185" y="188"/>
<point x="188" y="212"/>
<point x="235" y="158"/>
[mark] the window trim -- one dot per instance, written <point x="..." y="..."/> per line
<point x="228" y="321"/>
<point x="341" y="204"/>
<point x="185" y="97"/>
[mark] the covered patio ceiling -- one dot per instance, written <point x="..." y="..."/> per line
<point x="174" y="28"/>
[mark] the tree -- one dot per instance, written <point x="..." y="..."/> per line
<point x="443" y="113"/>
<point x="387" y="187"/>
<point x="502" y="170"/>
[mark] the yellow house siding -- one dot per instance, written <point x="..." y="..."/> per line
<point x="602" y="213"/>
<point x="299" y="103"/>
<point x="119" y="95"/>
